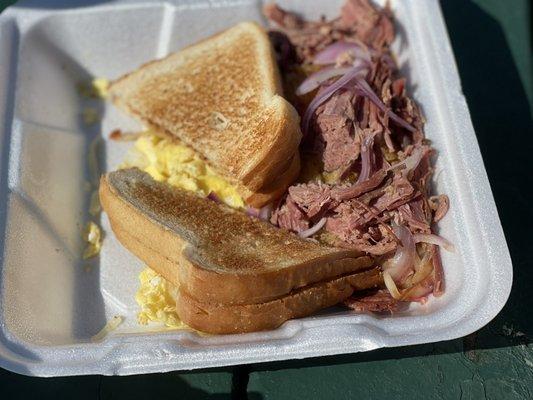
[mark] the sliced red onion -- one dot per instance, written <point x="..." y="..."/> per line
<point x="213" y="196"/>
<point x="402" y="262"/>
<point x="420" y="291"/>
<point x="366" y="159"/>
<point x="391" y="286"/>
<point x="252" y="212"/>
<point x="265" y="212"/>
<point x="423" y="267"/>
<point x="422" y="283"/>
<point x="330" y="54"/>
<point x="315" y="80"/>
<point x="314" y="229"/>
<point x="434" y="239"/>
<point x="327" y="92"/>
<point x="367" y="91"/>
<point x="389" y="61"/>
<point x="261" y="213"/>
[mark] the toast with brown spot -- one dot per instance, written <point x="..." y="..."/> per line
<point x="223" y="98"/>
<point x="222" y="258"/>
<point x="214" y="252"/>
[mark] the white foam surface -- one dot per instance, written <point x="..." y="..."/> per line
<point x="50" y="306"/>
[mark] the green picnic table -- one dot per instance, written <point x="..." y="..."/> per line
<point x="492" y="44"/>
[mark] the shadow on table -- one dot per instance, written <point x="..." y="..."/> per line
<point x="172" y="385"/>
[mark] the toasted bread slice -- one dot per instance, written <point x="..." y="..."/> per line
<point x="273" y="190"/>
<point x="215" y="253"/>
<point x="221" y="318"/>
<point x="222" y="97"/>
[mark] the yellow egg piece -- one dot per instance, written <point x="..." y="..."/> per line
<point x="179" y="166"/>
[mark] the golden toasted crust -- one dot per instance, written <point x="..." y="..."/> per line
<point x="222" y="97"/>
<point x="275" y="189"/>
<point x="221" y="318"/>
<point x="212" y="251"/>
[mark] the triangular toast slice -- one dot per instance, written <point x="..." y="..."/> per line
<point x="223" y="98"/>
<point x="215" y="253"/>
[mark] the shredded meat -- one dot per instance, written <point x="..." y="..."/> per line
<point x="378" y="301"/>
<point x="290" y="217"/>
<point x="374" y="155"/>
<point x="284" y="19"/>
<point x="342" y="192"/>
<point x="397" y="193"/>
<point x="336" y="133"/>
<point x="413" y="215"/>
<point x="313" y="198"/>
<point x="372" y="26"/>
<point x="439" y="205"/>
<point x="359" y="21"/>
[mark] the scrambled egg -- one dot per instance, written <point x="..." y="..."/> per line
<point x="97" y="88"/>
<point x="156" y="297"/>
<point x="100" y="87"/>
<point x="93" y="237"/>
<point x="180" y="166"/>
<point x="92" y="234"/>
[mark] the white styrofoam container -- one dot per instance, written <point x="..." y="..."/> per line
<point x="52" y="304"/>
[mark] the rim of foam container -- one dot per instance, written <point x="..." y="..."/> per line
<point x="482" y="248"/>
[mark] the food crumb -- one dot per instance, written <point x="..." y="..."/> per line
<point x="93" y="236"/>
<point x="120" y="136"/>
<point x="97" y="88"/>
<point x="110" y="326"/>
<point x="100" y="87"/>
